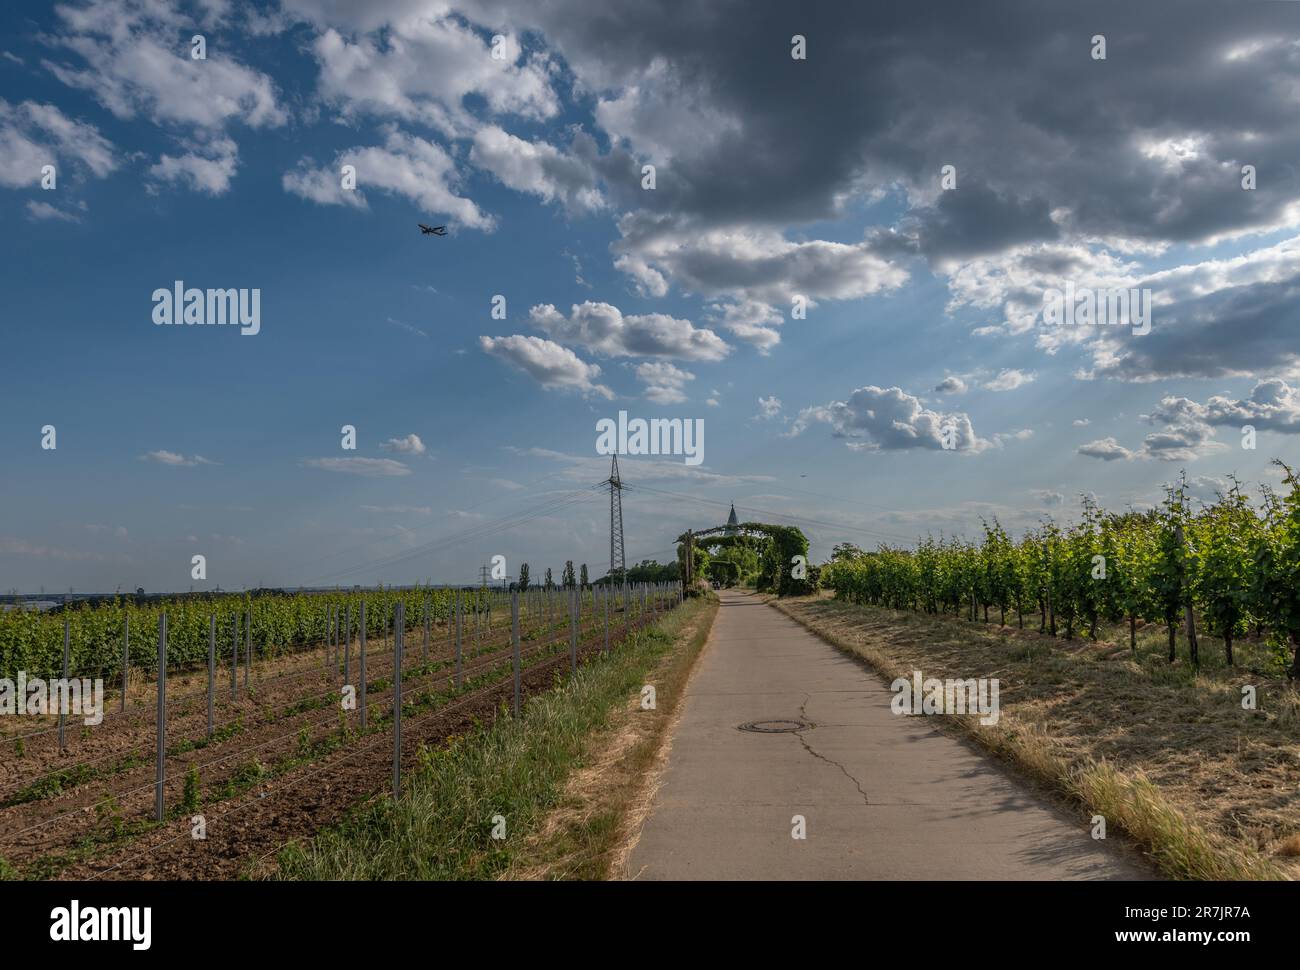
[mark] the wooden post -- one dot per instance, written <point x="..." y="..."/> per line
<point x="399" y="625"/>
<point x="126" y="653"/>
<point x="160" y="768"/>
<point x="66" y="695"/>
<point x="362" y="674"/>
<point x="458" y="615"/>
<point x="514" y="639"/>
<point x="212" y="666"/>
<point x="234" y="657"/>
<point x="1189" y="617"/>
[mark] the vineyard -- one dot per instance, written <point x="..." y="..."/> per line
<point x="274" y="714"/>
<point x="108" y="639"/>
<point x="1230" y="568"/>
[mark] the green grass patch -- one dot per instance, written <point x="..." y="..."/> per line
<point x="512" y="770"/>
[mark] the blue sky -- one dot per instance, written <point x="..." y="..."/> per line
<point x="174" y="441"/>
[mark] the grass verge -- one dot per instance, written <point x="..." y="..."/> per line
<point x="1205" y="787"/>
<point x="588" y="832"/>
<point x="508" y="777"/>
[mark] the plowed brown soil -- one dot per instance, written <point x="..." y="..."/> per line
<point x="100" y="828"/>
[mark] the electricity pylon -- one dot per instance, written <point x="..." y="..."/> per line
<point x="617" y="560"/>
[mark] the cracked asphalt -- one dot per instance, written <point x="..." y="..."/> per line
<point x="881" y="796"/>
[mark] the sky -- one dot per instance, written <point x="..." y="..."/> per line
<point x="841" y="264"/>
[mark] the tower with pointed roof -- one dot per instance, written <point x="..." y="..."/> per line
<point x="732" y="525"/>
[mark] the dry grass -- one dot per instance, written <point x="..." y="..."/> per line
<point x="1209" y="790"/>
<point x="588" y="835"/>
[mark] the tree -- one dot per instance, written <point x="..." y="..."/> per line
<point x="550" y="583"/>
<point x="567" y="579"/>
<point x="523" y="578"/>
<point x="583" y="577"/>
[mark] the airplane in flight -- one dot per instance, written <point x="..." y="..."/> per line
<point x="432" y="230"/>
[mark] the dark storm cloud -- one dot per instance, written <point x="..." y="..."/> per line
<point x="1147" y="144"/>
<point x="1242" y="330"/>
<point x="978" y="220"/>
<point x="1057" y="155"/>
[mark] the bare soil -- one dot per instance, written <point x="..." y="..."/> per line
<point x="285" y="758"/>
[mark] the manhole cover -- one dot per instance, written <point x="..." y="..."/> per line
<point x="778" y="726"/>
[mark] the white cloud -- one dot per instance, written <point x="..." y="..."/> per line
<point x="1185" y="442"/>
<point x="552" y="366"/>
<point x="410" y="445"/>
<point x="662" y="119"/>
<point x="1273" y="405"/>
<point x="368" y="467"/>
<point x="21" y="547"/>
<point x="1107" y="449"/>
<point x="406" y="166"/>
<point x="603" y="329"/>
<point x="538" y="169"/>
<point x="890" y="419"/>
<point x="746" y="263"/>
<point x="423" y="67"/>
<point x="1207" y="487"/>
<point x="176" y="460"/>
<point x="665" y="384"/>
<point x="1009" y="380"/>
<point x="33" y="135"/>
<point x="207" y="168"/>
<point x="1001" y="438"/>
<point x="138" y="61"/>
<point x="409" y="328"/>
<point x="1185" y="435"/>
<point x="769" y="407"/>
<point x="44" y="211"/>
<point x="951" y="385"/>
<point x="752" y="321"/>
